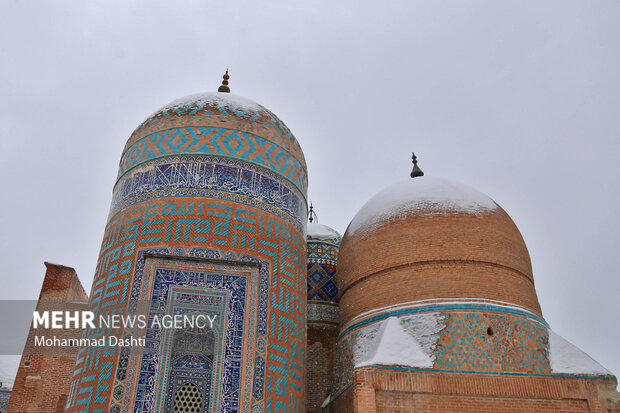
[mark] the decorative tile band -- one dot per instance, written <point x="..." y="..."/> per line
<point x="255" y="120"/>
<point x="208" y="140"/>
<point x="322" y="251"/>
<point x="320" y="312"/>
<point x="443" y="308"/>
<point x="467" y="337"/>
<point x="210" y="177"/>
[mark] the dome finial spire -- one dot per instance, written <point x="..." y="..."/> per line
<point x="416" y="169"/>
<point x="224" y="87"/>
<point x="312" y="215"/>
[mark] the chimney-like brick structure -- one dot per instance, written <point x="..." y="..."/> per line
<point x="42" y="381"/>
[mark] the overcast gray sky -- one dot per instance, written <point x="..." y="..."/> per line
<point x="520" y="99"/>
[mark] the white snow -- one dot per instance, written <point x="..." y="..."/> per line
<point x="568" y="359"/>
<point x="326" y="401"/>
<point x="437" y="301"/>
<point x="228" y="100"/>
<point x="420" y="195"/>
<point x="321" y="232"/>
<point x="395" y="347"/>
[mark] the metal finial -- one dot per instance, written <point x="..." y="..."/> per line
<point x="312" y="215"/>
<point x="416" y="169"/>
<point x="224" y="87"/>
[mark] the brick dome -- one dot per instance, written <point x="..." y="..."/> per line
<point x="427" y="239"/>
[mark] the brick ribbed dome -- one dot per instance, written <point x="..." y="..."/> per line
<point x="428" y="238"/>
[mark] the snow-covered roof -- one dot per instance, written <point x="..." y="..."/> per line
<point x="395" y="347"/>
<point x="568" y="359"/>
<point x="216" y="99"/>
<point x="322" y="232"/>
<point x="418" y="196"/>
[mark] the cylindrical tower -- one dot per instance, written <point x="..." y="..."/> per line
<point x="208" y="217"/>
<point x="323" y="297"/>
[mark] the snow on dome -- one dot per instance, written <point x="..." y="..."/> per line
<point x="395" y="347"/>
<point x="420" y="195"/>
<point x="238" y="104"/>
<point x="322" y="232"/>
<point x="566" y="358"/>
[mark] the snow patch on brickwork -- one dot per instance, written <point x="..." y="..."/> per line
<point x="326" y="401"/>
<point x="421" y="195"/>
<point x="405" y="341"/>
<point x="394" y="347"/>
<point x="568" y="359"/>
<point x="321" y="232"/>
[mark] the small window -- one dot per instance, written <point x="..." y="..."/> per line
<point x="188" y="399"/>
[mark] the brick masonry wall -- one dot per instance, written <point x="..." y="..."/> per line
<point x="387" y="390"/>
<point x="396" y="402"/>
<point x="438" y="256"/>
<point x="320" y="361"/>
<point x="424" y="281"/>
<point x="42" y="380"/>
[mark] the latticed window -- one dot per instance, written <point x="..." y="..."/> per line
<point x="190" y="370"/>
<point x="187" y="399"/>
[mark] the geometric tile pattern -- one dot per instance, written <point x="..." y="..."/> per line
<point x="216" y="141"/>
<point x="322" y="260"/>
<point x="472" y="338"/>
<point x="322" y="290"/>
<point x="196" y="290"/>
<point x="493" y="342"/>
<point x="203" y="223"/>
<point x="322" y="252"/>
<point x="217" y="124"/>
<point x="321" y="285"/>
<point x="221" y="110"/>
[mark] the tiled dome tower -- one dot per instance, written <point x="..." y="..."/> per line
<point x="208" y="215"/>
<point x="323" y="244"/>
<point x="436" y="294"/>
